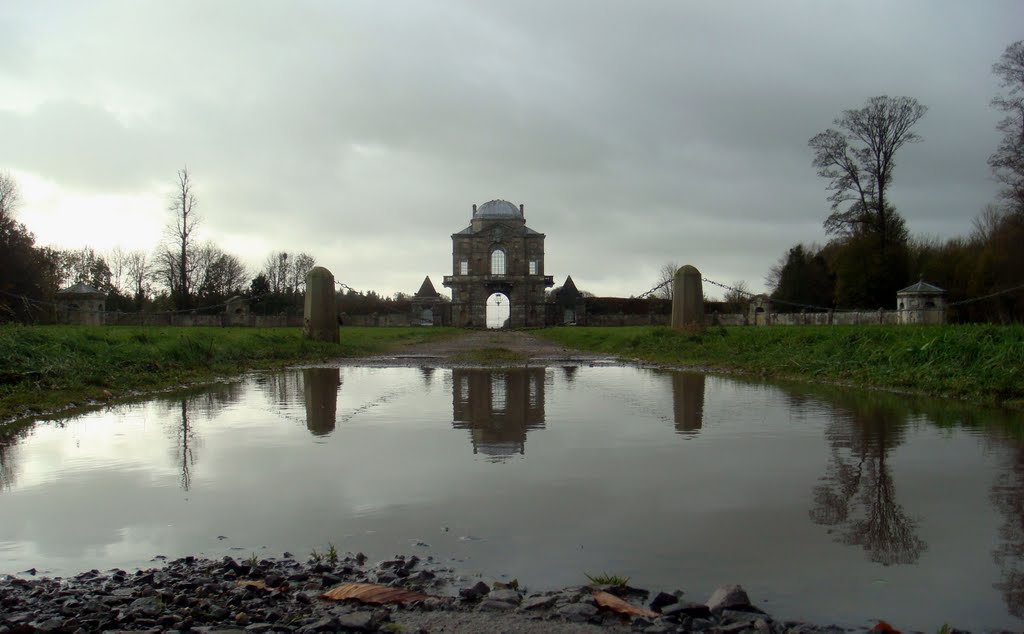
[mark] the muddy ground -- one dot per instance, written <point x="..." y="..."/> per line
<point x="453" y="351"/>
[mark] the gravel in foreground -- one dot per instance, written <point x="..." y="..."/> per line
<point x="283" y="595"/>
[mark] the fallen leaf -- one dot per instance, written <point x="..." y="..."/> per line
<point x="252" y="583"/>
<point x="614" y="603"/>
<point x="372" y="593"/>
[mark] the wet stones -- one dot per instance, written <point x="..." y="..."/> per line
<point x="729" y="598"/>
<point x="663" y="599"/>
<point x="474" y="592"/>
<point x="196" y="595"/>
<point x="539" y="603"/>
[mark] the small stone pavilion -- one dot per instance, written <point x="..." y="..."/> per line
<point x="81" y="304"/>
<point x="498" y="253"/>
<point x="427" y="305"/>
<point x="921" y="303"/>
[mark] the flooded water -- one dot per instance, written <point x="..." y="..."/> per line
<point x="826" y="504"/>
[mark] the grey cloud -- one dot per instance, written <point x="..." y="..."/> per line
<point x="634" y="133"/>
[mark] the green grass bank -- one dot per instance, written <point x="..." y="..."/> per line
<point x="47" y="367"/>
<point x="982" y="363"/>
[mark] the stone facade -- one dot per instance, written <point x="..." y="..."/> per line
<point x="428" y="308"/>
<point x="921" y="303"/>
<point x="236" y="311"/>
<point x="81" y="304"/>
<point x="569" y="308"/>
<point x="498" y="253"/>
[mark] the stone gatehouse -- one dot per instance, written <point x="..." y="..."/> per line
<point x="498" y="253"/>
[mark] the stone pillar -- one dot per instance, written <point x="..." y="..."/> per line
<point x="687" y="298"/>
<point x="320" y="321"/>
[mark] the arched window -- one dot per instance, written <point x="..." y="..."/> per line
<point x="497" y="262"/>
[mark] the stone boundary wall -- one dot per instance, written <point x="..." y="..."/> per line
<point x="843" y="318"/>
<point x="391" y="320"/>
<point x="185" y="319"/>
<point x="624" y="319"/>
<point x="387" y="320"/>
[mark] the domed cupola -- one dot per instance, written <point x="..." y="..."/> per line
<point x="498" y="209"/>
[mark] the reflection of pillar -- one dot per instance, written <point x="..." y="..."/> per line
<point x="320" y="386"/>
<point x="498" y="408"/>
<point x="688" y="401"/>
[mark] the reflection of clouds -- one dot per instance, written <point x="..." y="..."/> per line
<point x="55" y="525"/>
<point x="858" y="494"/>
<point x="498" y="407"/>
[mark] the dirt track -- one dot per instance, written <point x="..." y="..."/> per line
<point x="451" y="350"/>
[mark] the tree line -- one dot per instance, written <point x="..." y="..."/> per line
<point x="871" y="254"/>
<point x="182" y="273"/>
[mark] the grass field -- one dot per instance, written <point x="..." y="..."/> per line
<point x="982" y="363"/>
<point x="46" y="367"/>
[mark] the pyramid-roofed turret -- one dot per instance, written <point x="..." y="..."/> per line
<point x="427" y="289"/>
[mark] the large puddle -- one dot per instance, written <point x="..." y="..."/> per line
<point x="826" y="504"/>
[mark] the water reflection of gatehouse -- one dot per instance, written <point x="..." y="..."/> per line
<point x="498" y="407"/>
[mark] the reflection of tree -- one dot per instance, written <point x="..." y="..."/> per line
<point x="688" y="401"/>
<point x="858" y="495"/>
<point x="281" y="388"/>
<point x="1008" y="496"/>
<point x="206" y="401"/>
<point x="185" y="436"/>
<point x="8" y="451"/>
<point x="498" y="407"/>
<point x="320" y="388"/>
<point x="428" y="375"/>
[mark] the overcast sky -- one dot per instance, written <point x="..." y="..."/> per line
<point x="635" y="133"/>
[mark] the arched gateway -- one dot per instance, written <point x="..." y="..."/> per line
<point x="498" y="253"/>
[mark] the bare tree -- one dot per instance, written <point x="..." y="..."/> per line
<point x="738" y="296"/>
<point x="286" y="273"/>
<point x="275" y="267"/>
<point x="666" y="274"/>
<point x="301" y="265"/>
<point x="117" y="261"/>
<point x="1008" y="161"/>
<point x="859" y="158"/>
<point x="181" y="229"/>
<point x="10" y="197"/>
<point x="138" y="270"/>
<point x="217" y="275"/>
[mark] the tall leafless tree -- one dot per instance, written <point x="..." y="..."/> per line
<point x="138" y="266"/>
<point x="858" y="158"/>
<point x="9" y="196"/>
<point x="181" y="229"/>
<point x="666" y="274"/>
<point x="1008" y="161"/>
